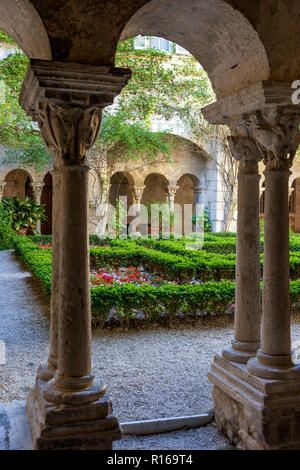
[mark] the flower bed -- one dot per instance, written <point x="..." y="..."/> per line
<point x="120" y="276"/>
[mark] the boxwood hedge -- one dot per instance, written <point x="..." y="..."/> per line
<point x="155" y="302"/>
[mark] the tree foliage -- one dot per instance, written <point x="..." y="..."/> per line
<point x="18" y="134"/>
<point x="156" y="89"/>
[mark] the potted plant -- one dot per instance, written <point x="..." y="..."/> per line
<point x="24" y="215"/>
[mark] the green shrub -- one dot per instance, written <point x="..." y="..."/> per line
<point x="7" y="234"/>
<point x="23" y="214"/>
<point x="165" y="301"/>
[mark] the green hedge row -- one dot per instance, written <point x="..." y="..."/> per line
<point x="206" y="266"/>
<point x="155" y="302"/>
<point x="171" y="259"/>
<point x="220" y="243"/>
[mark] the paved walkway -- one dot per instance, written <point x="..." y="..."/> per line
<point x="150" y="374"/>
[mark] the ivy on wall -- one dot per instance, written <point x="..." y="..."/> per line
<point x="156" y="89"/>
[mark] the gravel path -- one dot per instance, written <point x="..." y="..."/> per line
<point x="150" y="374"/>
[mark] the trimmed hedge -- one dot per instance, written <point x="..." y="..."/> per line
<point x="7" y="234"/>
<point x="205" y="266"/>
<point x="172" y="259"/>
<point x="155" y="302"/>
<point x="165" y="301"/>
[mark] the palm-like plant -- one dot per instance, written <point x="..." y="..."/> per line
<point x="23" y="214"/>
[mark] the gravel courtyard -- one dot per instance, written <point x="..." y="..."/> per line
<point x="149" y="373"/>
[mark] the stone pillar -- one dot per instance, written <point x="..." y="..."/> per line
<point x="274" y="358"/>
<point x="37" y="193"/>
<point x="2" y="186"/>
<point x="138" y="194"/>
<point x="247" y="294"/>
<point x="172" y="190"/>
<point x="71" y="410"/>
<point x="47" y="371"/>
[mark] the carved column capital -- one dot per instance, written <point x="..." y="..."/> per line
<point x="172" y="190"/>
<point x="67" y="102"/>
<point x="245" y="151"/>
<point x="276" y="132"/>
<point x="37" y="188"/>
<point x="243" y="146"/>
<point x="138" y="192"/>
<point x="69" y="132"/>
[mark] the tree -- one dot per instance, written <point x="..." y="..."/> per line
<point x="161" y="88"/>
<point x="18" y="134"/>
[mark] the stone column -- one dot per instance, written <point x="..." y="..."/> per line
<point x="72" y="410"/>
<point x="198" y="205"/>
<point x="138" y="194"/>
<point x="247" y="294"/>
<point x="278" y="139"/>
<point x="2" y="186"/>
<point x="47" y="371"/>
<point x="172" y="190"/>
<point x="37" y="193"/>
<point x="257" y="404"/>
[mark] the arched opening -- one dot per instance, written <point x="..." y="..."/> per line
<point x="121" y="194"/>
<point x="156" y="189"/>
<point x="155" y="192"/>
<point x="18" y="184"/>
<point x="219" y="36"/>
<point x="121" y="184"/>
<point x="186" y="195"/>
<point x="46" y="200"/>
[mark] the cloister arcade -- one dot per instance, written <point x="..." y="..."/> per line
<point x="155" y="188"/>
<point x="251" y="52"/>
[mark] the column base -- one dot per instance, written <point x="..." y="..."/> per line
<point x="89" y="426"/>
<point x="255" y="413"/>
<point x="240" y="351"/>
<point x="273" y="367"/>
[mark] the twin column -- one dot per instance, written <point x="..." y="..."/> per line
<point x="277" y="144"/>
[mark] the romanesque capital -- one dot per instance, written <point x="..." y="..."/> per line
<point x="67" y="102"/>
<point x="245" y="151"/>
<point x="243" y="147"/>
<point x="276" y="132"/>
<point x="138" y="192"/>
<point x="172" y="190"/>
<point x="69" y="132"/>
<point x="37" y="187"/>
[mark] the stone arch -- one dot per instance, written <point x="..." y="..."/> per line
<point x="216" y="34"/>
<point x="18" y="184"/>
<point x="185" y="193"/>
<point x="20" y="20"/>
<point x="121" y="184"/>
<point x="46" y="200"/>
<point x="156" y="188"/>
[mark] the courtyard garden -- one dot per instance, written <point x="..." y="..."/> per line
<point x="151" y="280"/>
